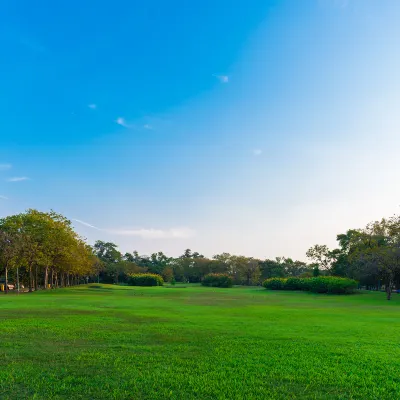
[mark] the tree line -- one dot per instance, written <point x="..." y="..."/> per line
<point x="41" y="250"/>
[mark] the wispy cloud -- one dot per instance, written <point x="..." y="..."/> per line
<point x="5" y="167"/>
<point x="121" y="121"/>
<point x="172" y="233"/>
<point x="92" y="106"/>
<point x="257" y="152"/>
<point x="222" y="78"/>
<point x="3" y="197"/>
<point x="86" y="224"/>
<point x="147" y="126"/>
<point x="18" y="179"/>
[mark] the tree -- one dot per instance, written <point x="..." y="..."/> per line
<point x="47" y="243"/>
<point x="113" y="262"/>
<point x="272" y="268"/>
<point x="321" y="255"/>
<point x="249" y="271"/>
<point x="10" y="248"/>
<point x="167" y="274"/>
<point x="377" y="248"/>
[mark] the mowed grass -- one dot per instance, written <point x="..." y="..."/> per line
<point x="109" y="342"/>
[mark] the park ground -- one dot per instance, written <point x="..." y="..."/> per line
<point x="114" y="342"/>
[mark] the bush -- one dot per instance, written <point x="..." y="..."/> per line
<point x="294" y="284"/>
<point x="275" y="283"/>
<point x="331" y="284"/>
<point x="217" y="280"/>
<point x="320" y="284"/>
<point x="145" y="280"/>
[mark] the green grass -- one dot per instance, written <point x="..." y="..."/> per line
<point x="109" y="342"/>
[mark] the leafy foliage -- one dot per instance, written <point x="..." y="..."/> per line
<point x="275" y="283"/>
<point x="145" y="279"/>
<point x="217" y="280"/>
<point x="294" y="284"/>
<point x="41" y="249"/>
<point x="321" y="284"/>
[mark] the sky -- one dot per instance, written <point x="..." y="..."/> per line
<point x="258" y="128"/>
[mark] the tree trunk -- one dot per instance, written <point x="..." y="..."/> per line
<point x="18" y="279"/>
<point x="388" y="287"/>
<point x="389" y="291"/>
<point x="30" y="279"/>
<point x="6" y="288"/>
<point x="36" y="279"/>
<point x="46" y="277"/>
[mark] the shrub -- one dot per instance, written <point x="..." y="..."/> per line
<point x="145" y="280"/>
<point x="217" y="280"/>
<point x="320" y="284"/>
<point x="294" y="284"/>
<point x="275" y="283"/>
<point x="331" y="284"/>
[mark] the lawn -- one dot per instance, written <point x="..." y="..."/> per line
<point x="109" y="342"/>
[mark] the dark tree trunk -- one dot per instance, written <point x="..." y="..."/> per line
<point x="388" y="287"/>
<point x="36" y="279"/>
<point x="46" y="277"/>
<point x="6" y="288"/>
<point x="18" y="279"/>
<point x="389" y="291"/>
<point x="30" y="279"/>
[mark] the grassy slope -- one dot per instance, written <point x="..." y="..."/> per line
<point x="203" y="343"/>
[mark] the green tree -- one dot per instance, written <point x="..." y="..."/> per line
<point x="321" y="255"/>
<point x="10" y="249"/>
<point x="377" y="248"/>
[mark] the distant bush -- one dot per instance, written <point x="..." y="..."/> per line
<point x="145" y="280"/>
<point x="275" y="283"/>
<point x="217" y="280"/>
<point x="320" y="284"/>
<point x="331" y="284"/>
<point x="294" y="284"/>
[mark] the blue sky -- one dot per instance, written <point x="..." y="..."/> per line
<point x="257" y="128"/>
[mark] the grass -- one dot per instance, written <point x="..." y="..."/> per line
<point x="108" y="342"/>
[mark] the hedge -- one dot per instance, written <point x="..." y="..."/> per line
<point x="320" y="284"/>
<point x="145" y="280"/>
<point x="217" y="280"/>
<point x="275" y="283"/>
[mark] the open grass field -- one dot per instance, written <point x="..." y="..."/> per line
<point x="108" y="342"/>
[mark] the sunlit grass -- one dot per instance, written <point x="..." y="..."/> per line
<point x="109" y="342"/>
